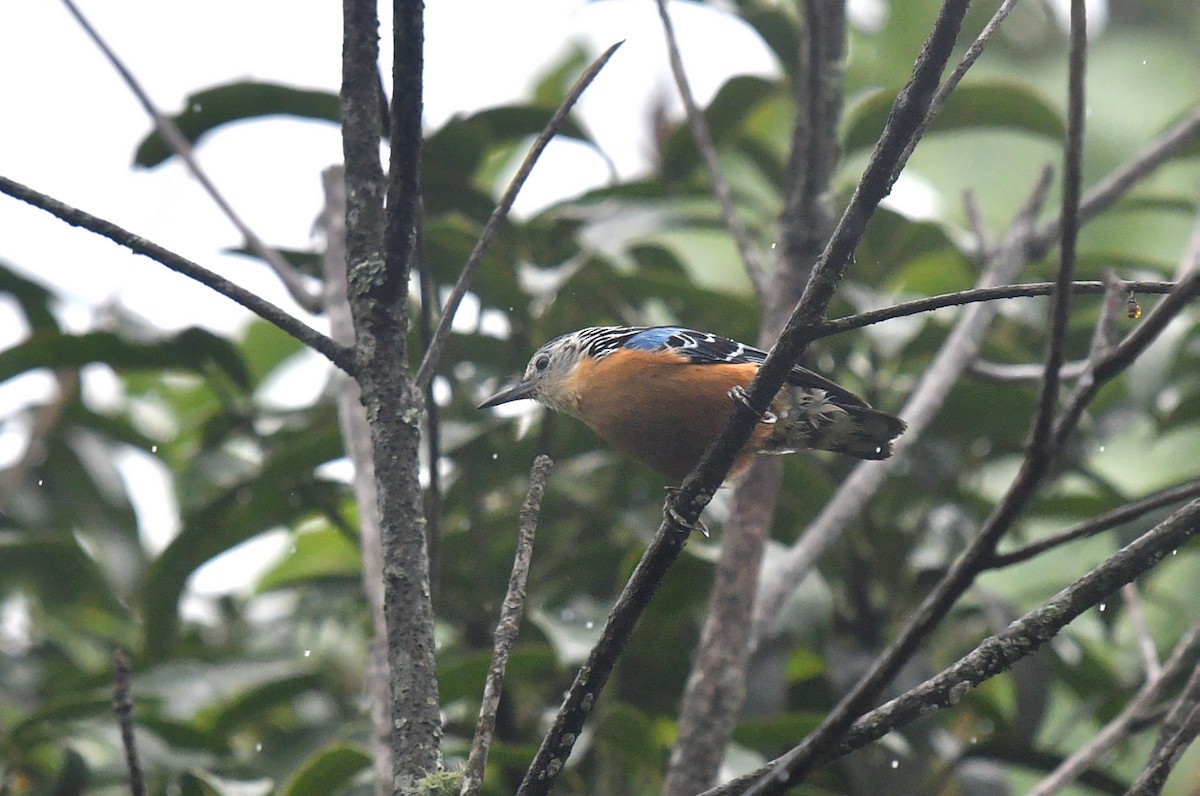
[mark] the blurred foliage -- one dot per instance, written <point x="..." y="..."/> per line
<point x="261" y="690"/>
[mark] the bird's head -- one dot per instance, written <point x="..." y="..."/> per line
<point x="547" y="377"/>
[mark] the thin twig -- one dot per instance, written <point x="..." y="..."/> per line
<point x="964" y="64"/>
<point x="434" y="352"/>
<point x="1179" y="729"/>
<point x="1105" y="193"/>
<point x="1141" y="629"/>
<point x="1112" y="733"/>
<point x="683" y="507"/>
<point x="1030" y="372"/>
<point x="337" y="354"/>
<point x="708" y="154"/>
<point x="1108" y="520"/>
<point x="1041" y="436"/>
<point x="292" y="280"/>
<point x="972" y="296"/>
<point x="123" y="708"/>
<point x="510" y="624"/>
<point x="959" y="349"/>
<point x="433" y="435"/>
<point x="997" y="653"/>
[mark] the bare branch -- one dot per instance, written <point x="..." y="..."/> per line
<point x="509" y="626"/>
<point x="997" y="653"/>
<point x="434" y="352"/>
<point x="684" y="506"/>
<point x="1086" y="756"/>
<point x="1041" y="438"/>
<point x="1023" y="371"/>
<point x="855" y="492"/>
<point x="708" y="154"/>
<point x="972" y="296"/>
<point x="1141" y="629"/>
<point x="378" y="250"/>
<point x="1179" y="729"/>
<point x="1110" y="519"/>
<point x="1109" y="190"/>
<point x="335" y="353"/>
<point x="356" y="441"/>
<point x="960" y="70"/>
<point x="292" y="280"/>
<point x="123" y="708"/>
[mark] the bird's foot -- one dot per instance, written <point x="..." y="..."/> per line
<point x="676" y="518"/>
<point x="737" y="394"/>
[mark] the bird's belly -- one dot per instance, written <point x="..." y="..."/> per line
<point x="665" y="415"/>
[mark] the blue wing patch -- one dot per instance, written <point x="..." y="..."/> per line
<point x="655" y="338"/>
<point x="704" y="348"/>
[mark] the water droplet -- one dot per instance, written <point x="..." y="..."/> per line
<point x="258" y="746"/>
<point x="1102" y="449"/>
<point x="895" y="764"/>
<point x="1102" y="606"/>
<point x="974" y="739"/>
<point x="495" y="456"/>
<point x="307" y="653"/>
<point x="40" y="482"/>
<point x="589" y="624"/>
<point x="154" y="449"/>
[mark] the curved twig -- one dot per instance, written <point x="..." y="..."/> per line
<point x="506" y="631"/>
<point x="997" y="653"/>
<point x="292" y="280"/>
<point x="339" y="355"/>
<point x="434" y="352"/>
<point x="708" y="154"/>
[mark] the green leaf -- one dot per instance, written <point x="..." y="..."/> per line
<point x="192" y="349"/>
<point x="316" y="555"/>
<point x="253" y="705"/>
<point x="990" y="103"/>
<point x="33" y="298"/>
<point x="206" y="783"/>
<point x="726" y="115"/>
<point x="327" y="770"/>
<point x="214" y="107"/>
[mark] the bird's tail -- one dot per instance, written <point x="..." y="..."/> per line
<point x="872" y="435"/>
<point x="815" y="419"/>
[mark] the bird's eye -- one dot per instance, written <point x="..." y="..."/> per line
<point x="542" y="363"/>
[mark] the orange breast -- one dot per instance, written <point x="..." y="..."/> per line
<point x="658" y="408"/>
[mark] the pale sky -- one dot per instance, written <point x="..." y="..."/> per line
<point x="71" y="128"/>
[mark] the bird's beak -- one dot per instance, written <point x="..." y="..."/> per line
<point x="522" y="389"/>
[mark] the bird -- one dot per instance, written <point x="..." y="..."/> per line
<point x="662" y="394"/>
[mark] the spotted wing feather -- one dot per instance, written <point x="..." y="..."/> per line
<point x="704" y="348"/>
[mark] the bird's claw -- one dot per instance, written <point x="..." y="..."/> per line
<point x="737" y="393"/>
<point x="676" y="518"/>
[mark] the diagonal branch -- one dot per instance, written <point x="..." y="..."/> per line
<point x="1109" y="190"/>
<point x="684" y="507"/>
<point x="1179" y="729"/>
<point x="854" y="493"/>
<point x="973" y="296"/>
<point x="1086" y="756"/>
<point x="708" y="154"/>
<point x="292" y="280"/>
<point x="337" y="354"/>
<point x="1106" y="521"/>
<point x="122" y="704"/>
<point x="1020" y="639"/>
<point x="1060" y="316"/>
<point x="492" y="228"/>
<point x="506" y="631"/>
